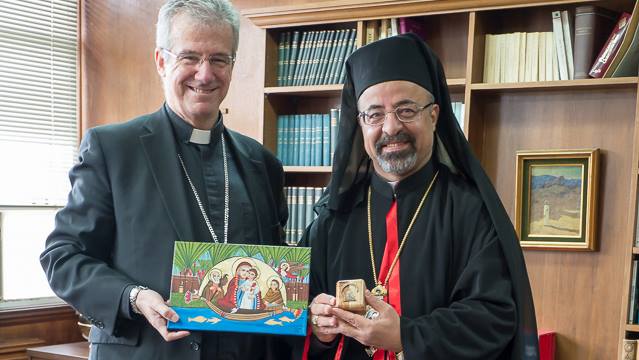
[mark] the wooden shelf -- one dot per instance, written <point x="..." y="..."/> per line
<point x="311" y="90"/>
<point x="335" y="89"/>
<point x="633" y="327"/>
<point x="307" y="169"/>
<point x="563" y="84"/>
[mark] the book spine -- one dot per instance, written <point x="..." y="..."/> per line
<point x="340" y="57"/>
<point x="326" y="139"/>
<point x="558" y="36"/>
<point x="301" y="215"/>
<point x="349" y="50"/>
<point x="318" y="139"/>
<point x="292" y="60"/>
<point x="334" y="56"/>
<point x="314" y="58"/>
<point x="304" y="130"/>
<point x="566" y="23"/>
<point x="334" y="122"/>
<point x="303" y="47"/>
<point x="321" y="61"/>
<point x="280" y="59"/>
<point x="308" y="211"/>
<point x="488" y="66"/>
<point x="592" y="24"/>
<point x="611" y="47"/>
<point x="296" y="139"/>
<point x="294" y="215"/>
<point x="280" y="138"/>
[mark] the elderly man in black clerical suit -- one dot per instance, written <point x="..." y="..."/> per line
<point x="176" y="174"/>
<point x="411" y="211"/>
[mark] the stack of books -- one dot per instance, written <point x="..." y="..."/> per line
<point x="307" y="139"/>
<point x="300" y="202"/>
<point x="380" y="29"/>
<point x="519" y="57"/>
<point x="313" y="57"/>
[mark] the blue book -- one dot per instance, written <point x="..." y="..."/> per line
<point x="240" y="288"/>
<point x="317" y="128"/>
<point x="280" y="138"/>
<point x="308" y="211"/>
<point x="292" y="217"/>
<point x="334" y="56"/>
<point x="350" y="47"/>
<point x="301" y="213"/>
<point x="334" y="122"/>
<point x="326" y="139"/>
<point x="295" y="149"/>
<point x="292" y="59"/>
<point x="303" y="139"/>
<point x="310" y="139"/>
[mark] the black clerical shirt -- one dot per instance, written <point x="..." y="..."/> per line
<point x="204" y="163"/>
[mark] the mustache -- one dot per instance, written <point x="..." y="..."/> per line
<point x="388" y="139"/>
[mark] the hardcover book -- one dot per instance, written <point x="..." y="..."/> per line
<point x="240" y="288"/>
<point x="592" y="26"/>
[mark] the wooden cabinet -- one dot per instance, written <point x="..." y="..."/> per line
<point x="72" y="351"/>
<point x="583" y="296"/>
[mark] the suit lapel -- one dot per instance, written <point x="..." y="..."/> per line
<point x="161" y="153"/>
<point x="254" y="173"/>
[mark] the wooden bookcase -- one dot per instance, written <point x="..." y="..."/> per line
<point x="583" y="296"/>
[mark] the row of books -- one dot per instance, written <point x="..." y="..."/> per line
<point x="380" y="29"/>
<point x="619" y="55"/>
<point x="307" y="139"/>
<point x="313" y="57"/>
<point x="518" y="57"/>
<point x="300" y="202"/>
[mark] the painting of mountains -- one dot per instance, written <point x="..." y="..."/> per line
<point x="555" y="203"/>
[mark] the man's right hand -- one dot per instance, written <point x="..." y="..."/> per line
<point x="321" y="317"/>
<point x="157" y="312"/>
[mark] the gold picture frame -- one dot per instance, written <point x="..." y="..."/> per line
<point x="556" y="199"/>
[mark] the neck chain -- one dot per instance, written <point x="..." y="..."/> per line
<point x="226" y="195"/>
<point x="380" y="289"/>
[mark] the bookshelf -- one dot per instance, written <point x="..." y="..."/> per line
<point x="582" y="296"/>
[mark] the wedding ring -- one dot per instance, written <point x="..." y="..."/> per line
<point x="314" y="319"/>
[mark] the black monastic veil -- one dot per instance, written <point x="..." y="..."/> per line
<point x="407" y="57"/>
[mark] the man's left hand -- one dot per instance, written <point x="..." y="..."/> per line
<point x="382" y="332"/>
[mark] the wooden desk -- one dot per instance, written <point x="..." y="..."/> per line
<point x="72" y="351"/>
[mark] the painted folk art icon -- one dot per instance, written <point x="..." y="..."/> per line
<point x="240" y="288"/>
<point x="556" y="199"/>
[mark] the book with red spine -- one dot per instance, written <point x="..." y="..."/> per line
<point x="610" y="48"/>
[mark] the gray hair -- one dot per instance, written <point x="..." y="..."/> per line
<point x="206" y="12"/>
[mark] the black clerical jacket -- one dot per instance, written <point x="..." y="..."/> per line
<point x="456" y="291"/>
<point x="127" y="206"/>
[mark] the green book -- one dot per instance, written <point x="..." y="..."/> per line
<point x="300" y="58"/>
<point x="333" y="57"/>
<point x="350" y="47"/>
<point x="307" y="57"/>
<point x="280" y="59"/>
<point x="292" y="58"/>
<point x="324" y="57"/>
<point x="315" y="58"/>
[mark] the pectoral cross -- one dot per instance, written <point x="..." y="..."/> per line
<point x="379" y="291"/>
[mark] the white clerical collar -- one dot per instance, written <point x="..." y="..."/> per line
<point x="201" y="137"/>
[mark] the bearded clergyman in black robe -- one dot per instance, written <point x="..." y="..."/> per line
<point x="410" y="210"/>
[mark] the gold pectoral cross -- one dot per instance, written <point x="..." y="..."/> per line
<point x="379" y="291"/>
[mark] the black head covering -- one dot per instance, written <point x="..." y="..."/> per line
<point x="407" y="57"/>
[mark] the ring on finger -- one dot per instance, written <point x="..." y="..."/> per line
<point x="314" y="319"/>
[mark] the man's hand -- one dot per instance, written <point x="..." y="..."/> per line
<point x="156" y="312"/>
<point x="382" y="332"/>
<point x="321" y="318"/>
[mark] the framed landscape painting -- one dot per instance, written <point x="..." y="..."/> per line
<point x="240" y="288"/>
<point x="556" y="199"/>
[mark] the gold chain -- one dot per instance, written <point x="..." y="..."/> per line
<point x="401" y="246"/>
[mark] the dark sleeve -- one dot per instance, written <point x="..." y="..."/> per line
<point x="481" y="318"/>
<point x="77" y="254"/>
<point x="315" y="236"/>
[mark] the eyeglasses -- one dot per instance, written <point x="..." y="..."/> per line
<point x="192" y="60"/>
<point x="403" y="113"/>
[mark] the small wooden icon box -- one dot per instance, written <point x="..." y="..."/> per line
<point x="350" y="295"/>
